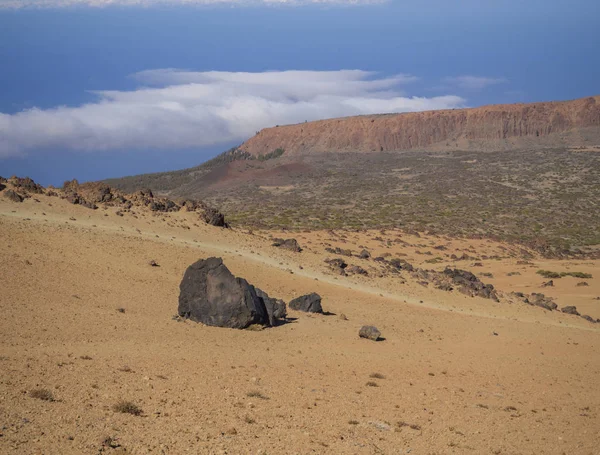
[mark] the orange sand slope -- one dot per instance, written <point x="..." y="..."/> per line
<point x="455" y="374"/>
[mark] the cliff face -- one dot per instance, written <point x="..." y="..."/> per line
<point x="494" y="127"/>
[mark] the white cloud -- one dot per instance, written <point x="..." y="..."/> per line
<point x="181" y="109"/>
<point x="474" y="83"/>
<point x="17" y="4"/>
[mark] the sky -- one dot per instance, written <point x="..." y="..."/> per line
<point x="92" y="89"/>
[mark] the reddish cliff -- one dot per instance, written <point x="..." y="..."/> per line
<point x="488" y="128"/>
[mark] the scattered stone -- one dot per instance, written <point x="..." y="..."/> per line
<point x="548" y="284"/>
<point x="26" y="185"/>
<point x="288" y="244"/>
<point x="209" y="293"/>
<point x="469" y="284"/>
<point x="343" y="317"/>
<point x="401" y="264"/>
<point x="588" y="318"/>
<point x="370" y="332"/>
<point x="276" y="308"/>
<point x="153" y="263"/>
<point x="13" y="196"/>
<point x="357" y="270"/>
<point x="570" y="310"/>
<point x="582" y="283"/>
<point x="310" y="303"/>
<point x="542" y="301"/>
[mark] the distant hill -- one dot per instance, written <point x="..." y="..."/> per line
<point x="488" y="128"/>
<point x="536" y="183"/>
<point x="542" y="125"/>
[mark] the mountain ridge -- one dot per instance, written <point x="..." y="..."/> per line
<point x="489" y="128"/>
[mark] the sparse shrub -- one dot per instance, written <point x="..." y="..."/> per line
<point x="127" y="407"/>
<point x="42" y="394"/>
<point x="548" y="274"/>
<point x="377" y="376"/>
<point x="257" y="394"/>
<point x="271" y="155"/>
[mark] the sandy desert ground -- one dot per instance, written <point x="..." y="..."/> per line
<point x="455" y="374"/>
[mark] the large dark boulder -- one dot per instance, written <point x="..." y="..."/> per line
<point x="276" y="309"/>
<point x="209" y="293"/>
<point x="310" y="303"/>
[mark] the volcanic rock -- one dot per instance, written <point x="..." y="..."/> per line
<point x="13" y="196"/>
<point x="542" y="301"/>
<point x="310" y="303"/>
<point x="276" y="308"/>
<point x="370" y="332"/>
<point x="209" y="293"/>
<point x="288" y="244"/>
<point x="570" y="310"/>
<point x="213" y="217"/>
<point x="26" y="185"/>
<point x="364" y="254"/>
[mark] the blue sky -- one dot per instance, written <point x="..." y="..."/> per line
<point x="141" y="86"/>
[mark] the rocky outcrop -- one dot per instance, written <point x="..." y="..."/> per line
<point x="210" y="294"/>
<point x="469" y="284"/>
<point x="497" y="127"/>
<point x="26" y="185"/>
<point x="213" y="217"/>
<point x="13" y="196"/>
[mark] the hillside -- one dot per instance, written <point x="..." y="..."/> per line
<point x="89" y="321"/>
<point x="535" y="187"/>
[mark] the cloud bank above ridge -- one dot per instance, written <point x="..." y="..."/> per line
<point x="174" y="109"/>
<point x="19" y="4"/>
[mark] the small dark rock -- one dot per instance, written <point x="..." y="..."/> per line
<point x="582" y="283"/>
<point x="276" y="309"/>
<point x="542" y="301"/>
<point x="310" y="303"/>
<point x="570" y="310"/>
<point x="370" y="332"/>
<point x="364" y="254"/>
<point x="356" y="270"/>
<point x="548" y="284"/>
<point x="288" y="244"/>
<point x="588" y="318"/>
<point x="213" y="217"/>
